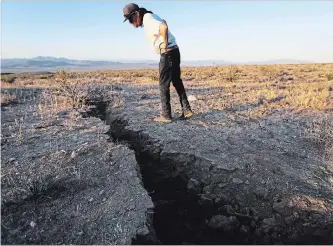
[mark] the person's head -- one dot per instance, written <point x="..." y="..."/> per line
<point x="134" y="14"/>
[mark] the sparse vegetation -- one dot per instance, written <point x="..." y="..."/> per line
<point x="295" y="88"/>
<point x="10" y="78"/>
<point x="329" y="76"/>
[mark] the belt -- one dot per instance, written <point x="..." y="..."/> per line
<point x="169" y="49"/>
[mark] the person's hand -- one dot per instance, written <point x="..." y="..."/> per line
<point x="163" y="46"/>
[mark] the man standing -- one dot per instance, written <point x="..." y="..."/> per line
<point x="164" y="44"/>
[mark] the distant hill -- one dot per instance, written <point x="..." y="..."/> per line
<point x="51" y="62"/>
<point x="47" y="63"/>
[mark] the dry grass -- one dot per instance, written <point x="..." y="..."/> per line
<point x="261" y="90"/>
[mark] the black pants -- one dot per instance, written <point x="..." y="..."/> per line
<point x="169" y="69"/>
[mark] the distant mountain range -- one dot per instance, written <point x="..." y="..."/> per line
<point x="47" y="63"/>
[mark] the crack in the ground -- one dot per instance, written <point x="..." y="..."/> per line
<point x="180" y="217"/>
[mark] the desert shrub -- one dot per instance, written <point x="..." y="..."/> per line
<point x="270" y="71"/>
<point x="329" y="76"/>
<point x="233" y="74"/>
<point x="72" y="91"/>
<point x="8" y="78"/>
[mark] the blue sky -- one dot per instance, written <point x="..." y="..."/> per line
<point x="225" y="30"/>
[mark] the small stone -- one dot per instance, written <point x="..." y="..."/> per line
<point x="143" y="231"/>
<point x="12" y="159"/>
<point x="261" y="192"/>
<point x="104" y="199"/>
<point x="269" y="224"/>
<point x="194" y="186"/>
<point x="222" y="200"/>
<point x="253" y="224"/>
<point x="237" y="181"/>
<point x="91" y="199"/>
<point x="282" y="207"/>
<point x="33" y="224"/>
<point x="101" y="192"/>
<point x="247" y="182"/>
<point x="289" y="220"/>
<point x="80" y="233"/>
<point x="73" y="154"/>
<point x="206" y="203"/>
<point x="191" y="98"/>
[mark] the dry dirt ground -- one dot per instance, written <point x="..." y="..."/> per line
<point x="63" y="182"/>
<point x="254" y="165"/>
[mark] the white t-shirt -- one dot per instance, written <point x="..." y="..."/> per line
<point x="151" y="25"/>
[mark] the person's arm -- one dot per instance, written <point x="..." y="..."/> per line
<point x="164" y="34"/>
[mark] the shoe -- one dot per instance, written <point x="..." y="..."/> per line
<point x="186" y="115"/>
<point x="162" y="119"/>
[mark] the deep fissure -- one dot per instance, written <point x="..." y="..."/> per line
<point x="176" y="213"/>
<point x="180" y="217"/>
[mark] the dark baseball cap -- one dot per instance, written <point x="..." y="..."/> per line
<point x="129" y="9"/>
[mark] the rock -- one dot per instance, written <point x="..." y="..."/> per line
<point x="237" y="181"/>
<point x="207" y="204"/>
<point x="290" y="220"/>
<point x="261" y="192"/>
<point x="101" y="192"/>
<point x="224" y="223"/>
<point x="194" y="186"/>
<point x="143" y="231"/>
<point x="191" y="98"/>
<point x="73" y="154"/>
<point x="282" y="207"/>
<point x="11" y="160"/>
<point x="269" y="224"/>
<point x="215" y="221"/>
<point x="33" y="224"/>
<point x="222" y="200"/>
<point x="91" y="199"/>
<point x="207" y="189"/>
